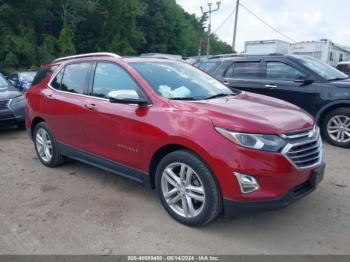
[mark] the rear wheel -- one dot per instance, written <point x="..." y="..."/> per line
<point x="45" y="146"/>
<point x="187" y="189"/>
<point x="336" y="127"/>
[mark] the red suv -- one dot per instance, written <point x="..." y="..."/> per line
<point x="203" y="147"/>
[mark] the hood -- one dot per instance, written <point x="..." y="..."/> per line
<point x="8" y="93"/>
<point x="253" y="113"/>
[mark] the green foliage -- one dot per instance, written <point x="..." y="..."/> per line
<point x="66" y="42"/>
<point x="34" y="32"/>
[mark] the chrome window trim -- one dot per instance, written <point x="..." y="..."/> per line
<point x="71" y="93"/>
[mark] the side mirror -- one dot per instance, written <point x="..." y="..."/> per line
<point x="127" y="97"/>
<point x="304" y="80"/>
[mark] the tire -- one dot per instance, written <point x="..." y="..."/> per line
<point x="55" y="158"/>
<point x="337" y="122"/>
<point x="21" y="126"/>
<point x="206" y="206"/>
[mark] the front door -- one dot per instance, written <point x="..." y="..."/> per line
<point x="114" y="131"/>
<point x="285" y="82"/>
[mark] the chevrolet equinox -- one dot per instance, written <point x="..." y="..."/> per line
<point x="205" y="148"/>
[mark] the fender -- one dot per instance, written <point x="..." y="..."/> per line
<point x="329" y="105"/>
<point x="175" y="140"/>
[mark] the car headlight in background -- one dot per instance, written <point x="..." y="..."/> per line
<point x="17" y="100"/>
<point x="273" y="143"/>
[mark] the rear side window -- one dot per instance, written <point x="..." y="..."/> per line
<point x="208" y="66"/>
<point x="281" y="71"/>
<point x="56" y="82"/>
<point x="75" y="78"/>
<point x="244" y="70"/>
<point x="41" y="75"/>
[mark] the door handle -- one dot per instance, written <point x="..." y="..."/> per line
<point x="226" y="82"/>
<point x="90" y="106"/>
<point x="271" y="86"/>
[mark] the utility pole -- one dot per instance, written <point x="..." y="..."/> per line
<point x="235" y="28"/>
<point x="209" y="21"/>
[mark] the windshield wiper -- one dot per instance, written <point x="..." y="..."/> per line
<point x="183" y="98"/>
<point x="218" y="95"/>
<point x="338" y="79"/>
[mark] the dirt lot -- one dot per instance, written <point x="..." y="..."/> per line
<point x="77" y="209"/>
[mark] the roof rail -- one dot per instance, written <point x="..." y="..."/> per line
<point x="86" y="55"/>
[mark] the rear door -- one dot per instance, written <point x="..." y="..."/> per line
<point x="283" y="80"/>
<point x="245" y="75"/>
<point x="63" y="104"/>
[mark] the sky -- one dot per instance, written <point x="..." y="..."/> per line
<point x="301" y="20"/>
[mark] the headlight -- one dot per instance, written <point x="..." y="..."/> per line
<point x="272" y="143"/>
<point x="17" y="100"/>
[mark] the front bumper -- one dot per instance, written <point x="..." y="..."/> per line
<point x="12" y="114"/>
<point x="236" y="208"/>
<point x="8" y="118"/>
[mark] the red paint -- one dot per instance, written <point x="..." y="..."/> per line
<point x="132" y="135"/>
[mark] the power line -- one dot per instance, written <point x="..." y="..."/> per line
<point x="268" y="25"/>
<point x="225" y="21"/>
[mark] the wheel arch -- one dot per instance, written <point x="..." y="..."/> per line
<point x="330" y="107"/>
<point x="35" y="121"/>
<point x="166" y="149"/>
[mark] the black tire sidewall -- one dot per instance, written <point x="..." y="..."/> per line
<point x="212" y="206"/>
<point x="56" y="156"/>
<point x="329" y="116"/>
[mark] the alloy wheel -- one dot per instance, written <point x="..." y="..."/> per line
<point x="44" y="145"/>
<point x="338" y="128"/>
<point x="183" y="190"/>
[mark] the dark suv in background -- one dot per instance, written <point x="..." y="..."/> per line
<point x="318" y="88"/>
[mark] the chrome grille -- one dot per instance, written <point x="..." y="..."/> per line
<point x="304" y="149"/>
<point x="3" y="104"/>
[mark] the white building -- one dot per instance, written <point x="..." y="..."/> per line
<point x="325" y="50"/>
<point x="266" y="47"/>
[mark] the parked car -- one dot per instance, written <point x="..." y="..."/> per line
<point x="344" y="67"/>
<point x="204" y="147"/>
<point x="321" y="90"/>
<point x="11" y="105"/>
<point x="4" y="76"/>
<point x="22" y="80"/>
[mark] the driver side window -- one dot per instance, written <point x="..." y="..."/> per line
<point x="281" y="71"/>
<point x="111" y="77"/>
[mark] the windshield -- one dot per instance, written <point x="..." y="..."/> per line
<point x="3" y="83"/>
<point x="322" y="69"/>
<point x="27" y="76"/>
<point x="181" y="81"/>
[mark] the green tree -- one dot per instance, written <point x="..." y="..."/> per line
<point x="66" y="42"/>
<point x="33" y="32"/>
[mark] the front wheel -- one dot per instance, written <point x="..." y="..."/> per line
<point x="336" y="127"/>
<point x="187" y="189"/>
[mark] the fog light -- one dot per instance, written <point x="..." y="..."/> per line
<point x="248" y="184"/>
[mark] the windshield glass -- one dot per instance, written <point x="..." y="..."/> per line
<point x="176" y="80"/>
<point x="27" y="76"/>
<point x="3" y="83"/>
<point x="322" y="69"/>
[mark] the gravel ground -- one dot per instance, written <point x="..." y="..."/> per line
<point x="77" y="209"/>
